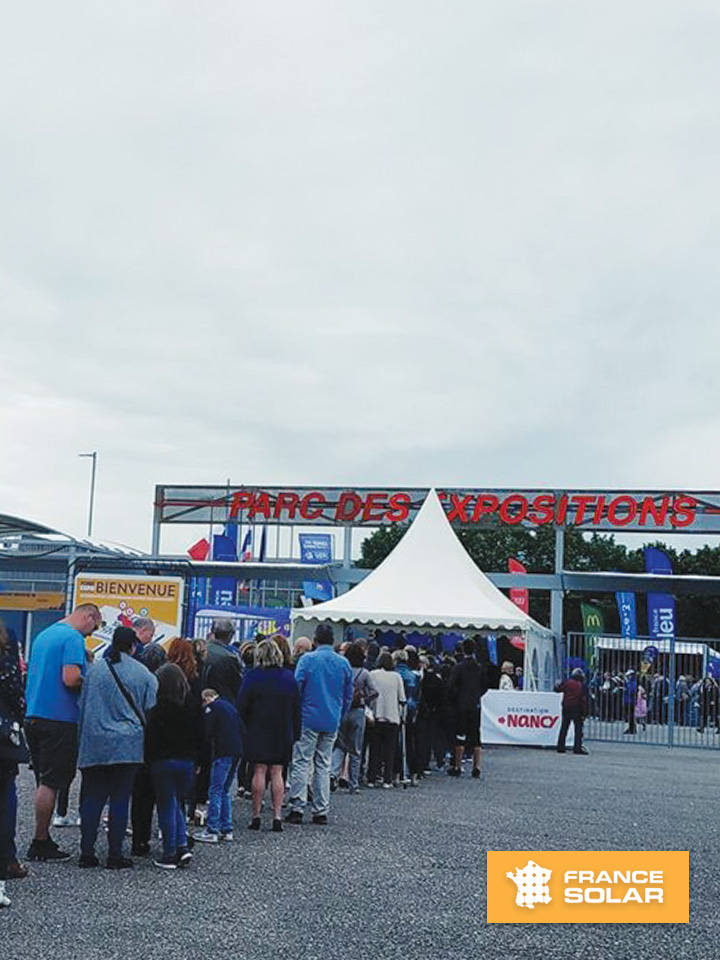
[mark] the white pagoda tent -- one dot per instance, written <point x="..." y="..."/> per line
<point x="430" y="584"/>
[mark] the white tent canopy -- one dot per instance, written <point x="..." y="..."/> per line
<point x="428" y="582"/>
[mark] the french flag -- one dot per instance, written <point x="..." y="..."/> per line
<point x="246" y="553"/>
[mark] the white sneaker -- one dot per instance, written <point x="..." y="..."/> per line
<point x="4" y="898"/>
<point x="69" y="820"/>
<point x="227" y="836"/>
<point x="206" y="837"/>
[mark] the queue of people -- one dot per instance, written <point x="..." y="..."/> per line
<point x="175" y="727"/>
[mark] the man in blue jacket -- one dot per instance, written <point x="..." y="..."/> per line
<point x="325" y="682"/>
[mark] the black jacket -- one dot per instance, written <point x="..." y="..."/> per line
<point x="223" y="671"/>
<point x="467" y="683"/>
<point x="222" y="730"/>
<point x="171" y="733"/>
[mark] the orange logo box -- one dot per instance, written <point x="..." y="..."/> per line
<point x="588" y="886"/>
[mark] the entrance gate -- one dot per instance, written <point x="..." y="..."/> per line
<point x="645" y="690"/>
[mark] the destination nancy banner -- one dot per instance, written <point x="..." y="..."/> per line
<point x="122" y="598"/>
<point x="521" y="719"/>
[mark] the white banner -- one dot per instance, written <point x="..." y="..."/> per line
<point x="520" y="718"/>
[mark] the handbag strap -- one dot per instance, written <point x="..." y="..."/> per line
<point x="124" y="691"/>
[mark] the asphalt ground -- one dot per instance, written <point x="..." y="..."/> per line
<point x="395" y="874"/>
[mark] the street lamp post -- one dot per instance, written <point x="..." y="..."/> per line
<point x="93" y="457"/>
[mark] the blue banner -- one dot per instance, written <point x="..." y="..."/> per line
<point x="628" y="614"/>
<point x="491" y="641"/>
<point x="316" y="548"/>
<point x="318" y="589"/>
<point x="660" y="606"/>
<point x="197" y="598"/>
<point x="222" y="591"/>
<point x="224" y="547"/>
<point x="248" y="621"/>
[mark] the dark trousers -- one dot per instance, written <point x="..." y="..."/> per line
<point x="8" y="816"/>
<point x="383" y="745"/>
<point x="630" y="716"/>
<point x="143" y="802"/>
<point x="113" y="783"/>
<point x="574" y="715"/>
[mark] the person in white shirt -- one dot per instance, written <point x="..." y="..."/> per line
<point x="388" y="712"/>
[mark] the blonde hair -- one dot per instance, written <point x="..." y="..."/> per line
<point x="268" y="654"/>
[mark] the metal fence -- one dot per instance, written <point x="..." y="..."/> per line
<point x="645" y="690"/>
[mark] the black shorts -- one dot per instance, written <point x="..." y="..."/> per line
<point x="467" y="728"/>
<point x="53" y="746"/>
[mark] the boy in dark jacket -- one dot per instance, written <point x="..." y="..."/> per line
<point x="222" y="733"/>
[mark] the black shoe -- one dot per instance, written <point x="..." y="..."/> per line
<point x="119" y="863"/>
<point x="343" y="783"/>
<point x="166" y="863"/>
<point x="277" y="826"/>
<point x="294" y="817"/>
<point x="254" y="824"/>
<point x="88" y="860"/>
<point x="140" y="849"/>
<point x="333" y="784"/>
<point x="183" y="857"/>
<point x="43" y="850"/>
<point x="559" y="749"/>
<point x="476" y="774"/>
<point x="453" y="772"/>
<point x="320" y="819"/>
<point x="582" y="752"/>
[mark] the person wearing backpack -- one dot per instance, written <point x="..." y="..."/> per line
<point x="352" y="728"/>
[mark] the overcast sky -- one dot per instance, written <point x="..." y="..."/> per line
<point x="464" y="242"/>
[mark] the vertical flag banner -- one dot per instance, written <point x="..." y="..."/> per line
<point x="660" y="606"/>
<point x="197" y="597"/>
<point x="593" y="626"/>
<point x="521" y="598"/>
<point x="263" y="545"/>
<point x="491" y="641"/>
<point x="628" y="614"/>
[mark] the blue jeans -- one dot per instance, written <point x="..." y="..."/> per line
<point x="8" y="816"/>
<point x="173" y="782"/>
<point x="316" y="748"/>
<point x="113" y="782"/>
<point x="350" y="741"/>
<point x="222" y="772"/>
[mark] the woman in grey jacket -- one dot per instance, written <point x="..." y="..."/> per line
<point x="117" y="694"/>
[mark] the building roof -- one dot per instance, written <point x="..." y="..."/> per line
<point x="14" y="526"/>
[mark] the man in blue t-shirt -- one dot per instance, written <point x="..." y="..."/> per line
<point x="56" y="669"/>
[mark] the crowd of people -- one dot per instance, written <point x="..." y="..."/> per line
<point x="643" y="698"/>
<point x="186" y="727"/>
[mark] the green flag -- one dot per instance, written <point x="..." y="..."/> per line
<point x="593" y="620"/>
<point x="593" y="625"/>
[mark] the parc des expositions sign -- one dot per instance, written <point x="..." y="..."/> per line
<point x="654" y="511"/>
